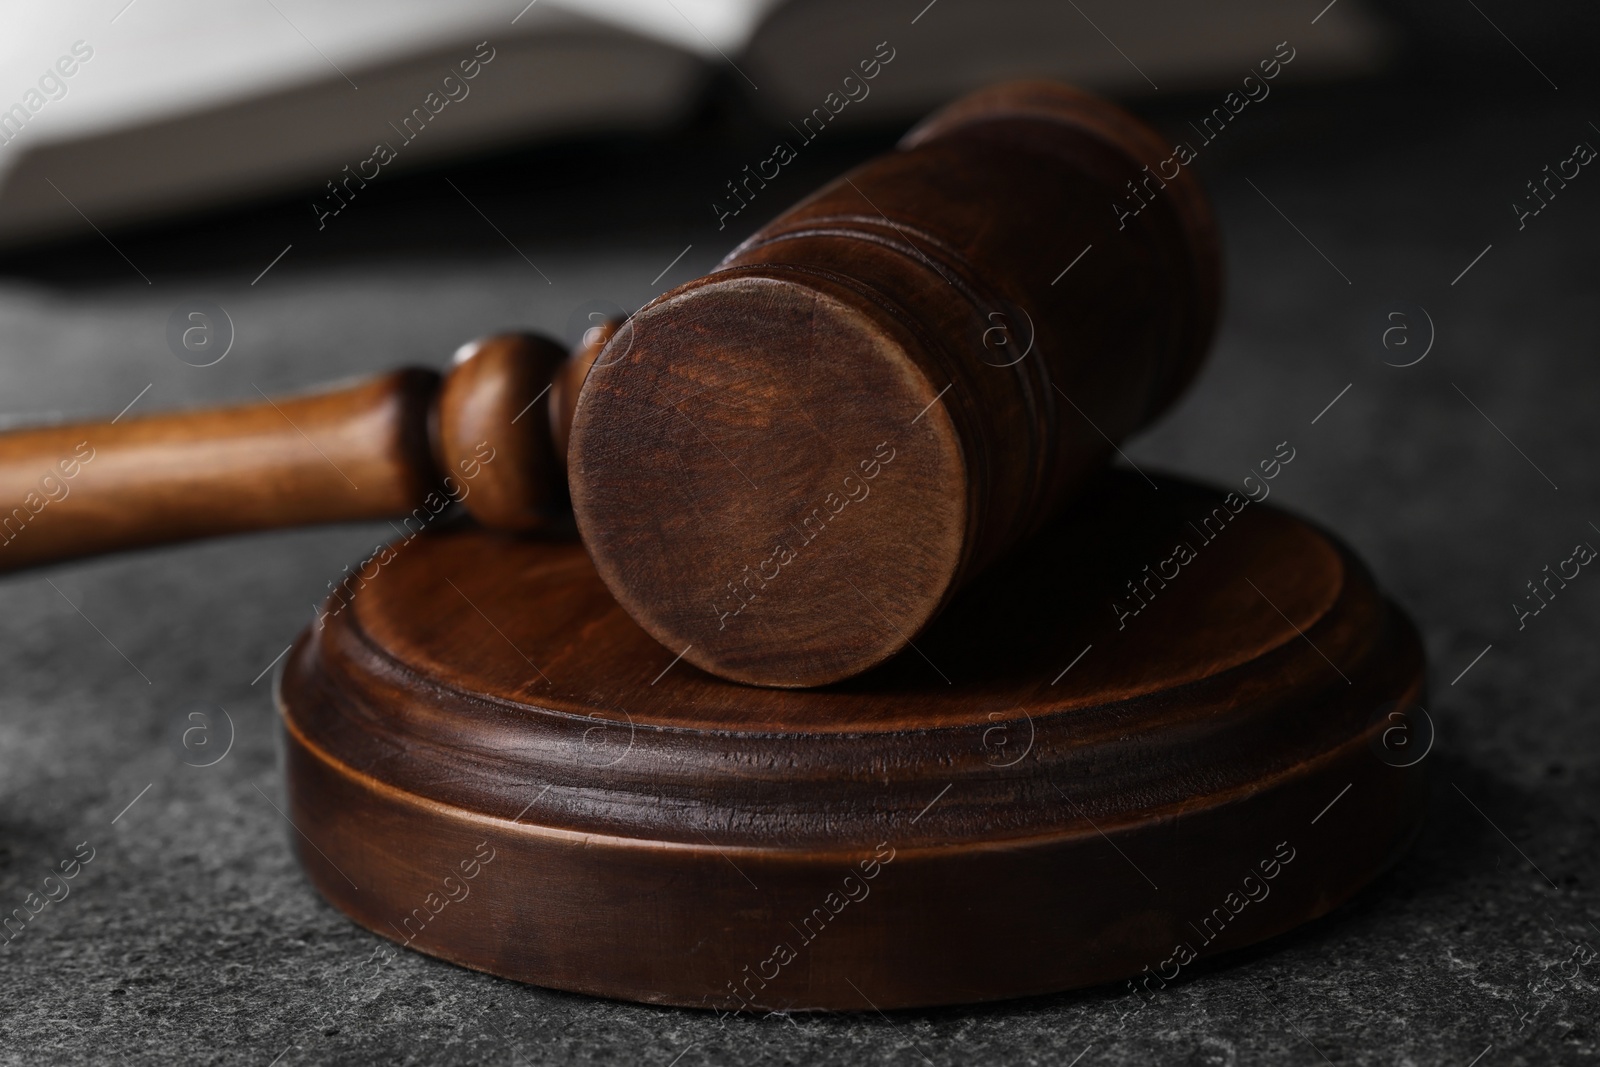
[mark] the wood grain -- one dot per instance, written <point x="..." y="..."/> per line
<point x="381" y="448"/>
<point x="1048" y="799"/>
<point x="360" y="452"/>
<point x="787" y="469"/>
<point x="490" y="406"/>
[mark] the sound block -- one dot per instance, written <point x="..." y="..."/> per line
<point x="1165" y="729"/>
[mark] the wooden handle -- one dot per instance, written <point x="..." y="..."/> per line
<point x="786" y="469"/>
<point x="355" y="453"/>
<point x="382" y="448"/>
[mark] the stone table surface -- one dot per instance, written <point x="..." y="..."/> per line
<point x="191" y="936"/>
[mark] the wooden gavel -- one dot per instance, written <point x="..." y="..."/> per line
<point x="783" y="470"/>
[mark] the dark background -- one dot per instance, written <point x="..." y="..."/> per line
<point x="193" y="937"/>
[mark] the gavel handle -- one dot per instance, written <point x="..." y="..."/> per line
<point x="359" y="452"/>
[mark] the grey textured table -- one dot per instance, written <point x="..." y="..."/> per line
<point x="192" y="937"/>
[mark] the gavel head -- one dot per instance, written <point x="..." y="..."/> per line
<point x="786" y="469"/>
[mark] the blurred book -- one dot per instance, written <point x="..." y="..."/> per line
<point x="130" y="110"/>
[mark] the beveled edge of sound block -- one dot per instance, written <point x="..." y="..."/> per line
<point x="778" y="867"/>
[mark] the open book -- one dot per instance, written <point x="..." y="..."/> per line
<point x="127" y="110"/>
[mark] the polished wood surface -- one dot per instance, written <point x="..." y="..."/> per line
<point x="358" y="452"/>
<point x="489" y="407"/>
<point x="786" y="469"/>
<point x="1051" y="791"/>
<point x="396" y="446"/>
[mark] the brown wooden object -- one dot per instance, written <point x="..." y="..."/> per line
<point x="787" y="468"/>
<point x="490" y="761"/>
<point x="784" y="470"/>
<point x="378" y="449"/>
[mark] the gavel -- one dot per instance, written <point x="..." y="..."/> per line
<point x="783" y="470"/>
